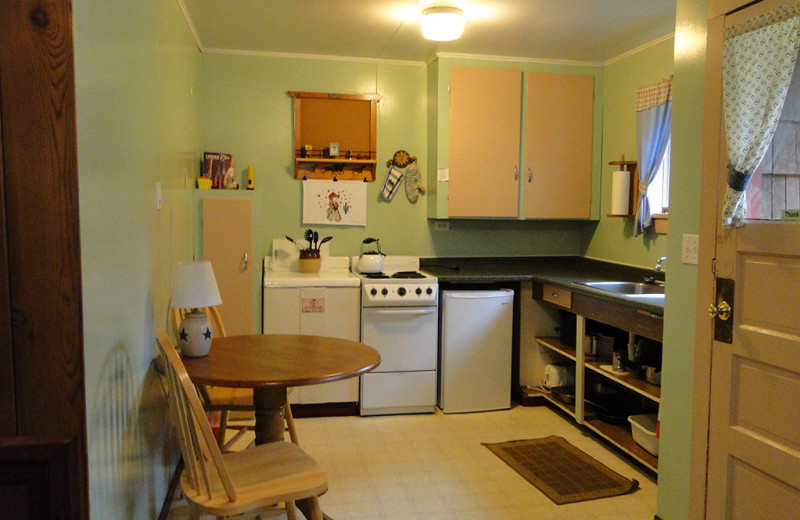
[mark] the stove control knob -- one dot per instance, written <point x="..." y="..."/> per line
<point x="401" y="291"/>
<point x="428" y="291"/>
<point x="373" y="291"/>
<point x="384" y="291"/>
<point x="419" y="291"/>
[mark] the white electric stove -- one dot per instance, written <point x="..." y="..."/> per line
<point x="399" y="318"/>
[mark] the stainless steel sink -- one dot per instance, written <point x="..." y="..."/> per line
<point x="630" y="289"/>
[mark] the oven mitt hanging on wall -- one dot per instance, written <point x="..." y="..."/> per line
<point x="393" y="179"/>
<point x="414" y="183"/>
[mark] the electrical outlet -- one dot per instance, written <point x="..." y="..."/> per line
<point x="690" y="246"/>
<point x="441" y="225"/>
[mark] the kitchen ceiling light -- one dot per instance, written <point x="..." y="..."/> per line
<point x="442" y="24"/>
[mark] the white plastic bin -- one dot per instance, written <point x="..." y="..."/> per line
<point x="644" y="432"/>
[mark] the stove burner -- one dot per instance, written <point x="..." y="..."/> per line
<point x="375" y="275"/>
<point x="408" y="274"/>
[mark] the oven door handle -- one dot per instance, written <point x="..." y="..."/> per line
<point x="406" y="312"/>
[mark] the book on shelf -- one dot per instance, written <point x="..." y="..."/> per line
<point x="219" y="168"/>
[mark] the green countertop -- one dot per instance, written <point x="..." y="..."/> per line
<point x="563" y="271"/>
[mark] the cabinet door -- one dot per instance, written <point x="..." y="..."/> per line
<point x="228" y="244"/>
<point x="318" y="311"/>
<point x="331" y="312"/>
<point x="558" y="146"/>
<point x="484" y="142"/>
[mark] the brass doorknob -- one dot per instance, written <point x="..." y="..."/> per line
<point x="723" y="310"/>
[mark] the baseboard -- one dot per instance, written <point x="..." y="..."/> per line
<point x="324" y="410"/>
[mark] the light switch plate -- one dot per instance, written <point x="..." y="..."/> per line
<point x="690" y="245"/>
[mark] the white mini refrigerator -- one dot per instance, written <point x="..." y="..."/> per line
<point x="475" y="350"/>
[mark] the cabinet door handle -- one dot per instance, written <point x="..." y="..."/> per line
<point x="530" y="175"/>
<point x="245" y="260"/>
<point x="516" y="173"/>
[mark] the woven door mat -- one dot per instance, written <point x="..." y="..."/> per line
<point x="561" y="471"/>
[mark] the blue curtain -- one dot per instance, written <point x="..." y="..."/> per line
<point x="653" y="128"/>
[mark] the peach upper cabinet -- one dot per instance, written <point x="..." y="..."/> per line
<point x="520" y="146"/>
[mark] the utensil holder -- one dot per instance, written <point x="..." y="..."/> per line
<point x="309" y="261"/>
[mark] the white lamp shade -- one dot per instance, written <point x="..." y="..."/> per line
<point x="442" y="23"/>
<point x="194" y="286"/>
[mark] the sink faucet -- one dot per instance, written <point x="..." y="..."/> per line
<point x="658" y="263"/>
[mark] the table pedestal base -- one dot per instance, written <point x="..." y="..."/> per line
<point x="268" y="403"/>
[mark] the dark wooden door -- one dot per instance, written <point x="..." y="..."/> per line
<point x="43" y="465"/>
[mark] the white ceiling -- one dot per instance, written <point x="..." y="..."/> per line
<point x="583" y="31"/>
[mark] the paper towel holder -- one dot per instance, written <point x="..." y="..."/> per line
<point x="629" y="166"/>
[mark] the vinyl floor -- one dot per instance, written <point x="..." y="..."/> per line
<point x="432" y="467"/>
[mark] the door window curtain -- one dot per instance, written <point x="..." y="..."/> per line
<point x="759" y="56"/>
<point x="653" y="127"/>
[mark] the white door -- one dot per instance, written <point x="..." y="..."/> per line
<point x="476" y="350"/>
<point x="753" y="466"/>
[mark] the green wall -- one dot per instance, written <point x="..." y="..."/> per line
<point x="613" y="238"/>
<point x="247" y="112"/>
<point x="679" y="313"/>
<point x="137" y="73"/>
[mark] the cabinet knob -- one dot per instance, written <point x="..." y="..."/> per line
<point x="530" y="175"/>
<point x="516" y="173"/>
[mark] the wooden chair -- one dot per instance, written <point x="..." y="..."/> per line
<point x="255" y="480"/>
<point x="227" y="400"/>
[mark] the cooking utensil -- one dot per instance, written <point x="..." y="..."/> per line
<point x="565" y="394"/>
<point x="370" y="261"/>
<point x="653" y="375"/>
<point x="618" y="362"/>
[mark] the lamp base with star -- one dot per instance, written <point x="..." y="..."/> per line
<point x="194" y="334"/>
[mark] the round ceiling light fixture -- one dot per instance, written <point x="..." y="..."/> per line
<point x="442" y="23"/>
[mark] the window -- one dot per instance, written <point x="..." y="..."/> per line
<point x="775" y="186"/>
<point x="658" y="192"/>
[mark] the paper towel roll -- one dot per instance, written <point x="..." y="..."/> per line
<point x="620" y="192"/>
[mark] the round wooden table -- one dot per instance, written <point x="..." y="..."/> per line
<point x="269" y="363"/>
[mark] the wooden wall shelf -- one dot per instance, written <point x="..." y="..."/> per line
<point x="349" y="121"/>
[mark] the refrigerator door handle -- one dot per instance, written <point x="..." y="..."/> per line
<point x="479" y="295"/>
